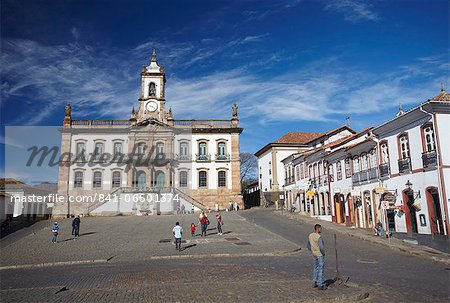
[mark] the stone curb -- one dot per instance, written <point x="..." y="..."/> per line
<point x="42" y="265"/>
<point x="272" y="254"/>
<point x="422" y="253"/>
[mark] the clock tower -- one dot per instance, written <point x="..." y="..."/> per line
<point x="152" y="100"/>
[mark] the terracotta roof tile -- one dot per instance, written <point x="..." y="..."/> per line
<point x="443" y="96"/>
<point x="298" y="137"/>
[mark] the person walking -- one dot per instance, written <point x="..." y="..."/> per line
<point x="203" y="223"/>
<point x="230" y="206"/>
<point x="76" y="227"/>
<point x="276" y="204"/>
<point x="219" y="224"/>
<point x="236" y="207"/>
<point x="55" y="231"/>
<point x="317" y="249"/>
<point x="177" y="233"/>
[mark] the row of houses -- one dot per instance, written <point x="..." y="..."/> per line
<point x="396" y="174"/>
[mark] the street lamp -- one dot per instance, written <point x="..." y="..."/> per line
<point x="408" y="184"/>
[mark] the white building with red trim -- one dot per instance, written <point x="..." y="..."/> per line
<point x="396" y="174"/>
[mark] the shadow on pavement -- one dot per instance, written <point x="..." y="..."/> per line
<point x="188" y="246"/>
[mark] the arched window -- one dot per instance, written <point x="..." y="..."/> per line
<point x="183" y="179"/>
<point x="384" y="152"/>
<point x="202" y="151"/>
<point x="159" y="148"/>
<point x="356" y="164"/>
<point x="221" y="151"/>
<point x="330" y="172"/>
<point x="152" y="89"/>
<point x="364" y="164"/>
<point x="339" y="170"/>
<point x="429" y="140"/>
<point x="78" y="182"/>
<point x="141" y="148"/>
<point x="404" y="146"/>
<point x="202" y="148"/>
<point x="98" y="151"/>
<point x="348" y="168"/>
<point x="184" y="151"/>
<point x="116" y="179"/>
<point x="160" y="179"/>
<point x="372" y="159"/>
<point x="97" y="179"/>
<point x="141" y="179"/>
<point x="222" y="178"/>
<point x="202" y="179"/>
<point x="80" y="150"/>
<point x="117" y="150"/>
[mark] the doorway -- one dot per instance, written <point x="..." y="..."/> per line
<point x="410" y="211"/>
<point x="434" y="211"/>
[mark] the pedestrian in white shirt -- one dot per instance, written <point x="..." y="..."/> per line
<point x="177" y="233"/>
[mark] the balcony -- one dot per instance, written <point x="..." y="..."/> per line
<point x="182" y="158"/>
<point x="404" y="165"/>
<point x="203" y="157"/>
<point x="365" y="176"/>
<point x="429" y="159"/>
<point x="288" y="181"/>
<point x="384" y="170"/>
<point x="222" y="157"/>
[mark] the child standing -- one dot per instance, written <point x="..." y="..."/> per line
<point x="55" y="230"/>
<point x="193" y="227"/>
<point x="219" y="224"/>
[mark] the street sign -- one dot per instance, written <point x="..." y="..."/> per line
<point x="384" y="205"/>
<point x="310" y="193"/>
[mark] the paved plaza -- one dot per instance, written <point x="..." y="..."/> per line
<point x="261" y="257"/>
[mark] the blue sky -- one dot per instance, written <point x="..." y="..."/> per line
<point x="290" y="65"/>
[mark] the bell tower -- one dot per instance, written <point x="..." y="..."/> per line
<point x="152" y="99"/>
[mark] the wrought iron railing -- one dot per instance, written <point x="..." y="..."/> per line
<point x="404" y="165"/>
<point x="222" y="157"/>
<point x="203" y="157"/>
<point x="429" y="159"/>
<point x="384" y="170"/>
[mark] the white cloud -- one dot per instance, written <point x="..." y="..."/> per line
<point x="353" y="10"/>
<point x="105" y="83"/>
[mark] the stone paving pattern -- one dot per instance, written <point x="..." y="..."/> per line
<point x="131" y="238"/>
<point x="215" y="270"/>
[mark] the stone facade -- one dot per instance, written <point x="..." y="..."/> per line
<point x="150" y="153"/>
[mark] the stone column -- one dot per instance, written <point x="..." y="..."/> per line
<point x="62" y="208"/>
<point x="236" y="170"/>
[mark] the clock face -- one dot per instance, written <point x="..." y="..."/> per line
<point x="151" y="106"/>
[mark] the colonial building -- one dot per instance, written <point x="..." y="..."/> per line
<point x="396" y="174"/>
<point x="272" y="178"/>
<point x="150" y="163"/>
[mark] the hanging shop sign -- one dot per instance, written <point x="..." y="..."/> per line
<point x="380" y="190"/>
<point x="310" y="193"/>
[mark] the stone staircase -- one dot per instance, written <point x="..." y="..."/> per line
<point x="145" y="201"/>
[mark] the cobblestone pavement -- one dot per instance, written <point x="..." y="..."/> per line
<point x="215" y="270"/>
<point x="390" y="273"/>
<point x="213" y="280"/>
<point x="131" y="238"/>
